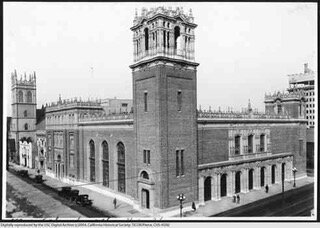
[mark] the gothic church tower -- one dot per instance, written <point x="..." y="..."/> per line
<point x="23" y="124"/>
<point x="165" y="101"/>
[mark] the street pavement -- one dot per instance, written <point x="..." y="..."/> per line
<point x="101" y="202"/>
<point x="26" y="201"/>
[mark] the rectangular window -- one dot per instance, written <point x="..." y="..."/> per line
<point x="181" y="165"/>
<point x="179" y="100"/>
<point x="148" y="157"/>
<point x="177" y="164"/>
<point x="237" y="145"/>
<point x="144" y="156"/>
<point x="145" y="101"/>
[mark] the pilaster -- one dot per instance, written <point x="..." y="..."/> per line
<point x="201" y="190"/>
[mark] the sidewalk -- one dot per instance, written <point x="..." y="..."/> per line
<point x="215" y="207"/>
<point x="102" y="202"/>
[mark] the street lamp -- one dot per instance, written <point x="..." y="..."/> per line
<point x="294" y="170"/>
<point x="181" y="197"/>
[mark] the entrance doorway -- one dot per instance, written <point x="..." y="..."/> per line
<point x="223" y="185"/>
<point x="207" y="189"/>
<point x="273" y="174"/>
<point x="262" y="176"/>
<point x="145" y="198"/>
<point x="250" y="179"/>
<point x="238" y="182"/>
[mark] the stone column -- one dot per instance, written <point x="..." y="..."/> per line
<point x="218" y="176"/>
<point x="256" y="178"/>
<point x="230" y="183"/>
<point x="160" y="41"/>
<point x="201" y="190"/>
<point x="171" y="43"/>
<point x="214" y="187"/>
<point x="278" y="173"/>
<point x="268" y="175"/>
<point x="192" y="48"/>
<point x="289" y="166"/>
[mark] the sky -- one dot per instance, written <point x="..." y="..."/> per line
<point x="244" y="49"/>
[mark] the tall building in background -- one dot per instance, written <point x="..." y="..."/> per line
<point x="305" y="82"/>
<point x="23" y="122"/>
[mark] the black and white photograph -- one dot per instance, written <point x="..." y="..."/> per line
<point x="160" y="111"/>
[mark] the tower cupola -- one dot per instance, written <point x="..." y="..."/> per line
<point x="163" y="32"/>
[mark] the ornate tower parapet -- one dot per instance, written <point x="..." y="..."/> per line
<point x="163" y="32"/>
<point x="289" y="103"/>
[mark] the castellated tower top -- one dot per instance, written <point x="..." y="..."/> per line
<point x="165" y="33"/>
<point x="24" y="81"/>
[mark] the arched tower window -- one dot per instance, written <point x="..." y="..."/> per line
<point x="237" y="144"/>
<point x="121" y="167"/>
<point x="144" y="175"/>
<point x="26" y="126"/>
<point x="92" y="161"/>
<point x="176" y="36"/>
<point x="29" y="97"/>
<point x="105" y="164"/>
<point x="146" y="38"/>
<point x="262" y="143"/>
<point x="25" y="113"/>
<point x="250" y="144"/>
<point x="20" y="95"/>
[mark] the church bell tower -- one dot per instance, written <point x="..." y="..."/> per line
<point x="165" y="101"/>
<point x="23" y="124"/>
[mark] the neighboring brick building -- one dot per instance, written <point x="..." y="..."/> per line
<point x="164" y="146"/>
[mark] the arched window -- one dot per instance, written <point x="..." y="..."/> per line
<point x="25" y="113"/>
<point x="121" y="167"/>
<point x="146" y="38"/>
<point x="237" y="144"/>
<point x="250" y="144"/>
<point x="176" y="36"/>
<point x="26" y="126"/>
<point x="144" y="175"/>
<point x="29" y="97"/>
<point x="20" y="95"/>
<point x="92" y="161"/>
<point x="105" y="163"/>
<point x="262" y="143"/>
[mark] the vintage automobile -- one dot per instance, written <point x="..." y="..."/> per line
<point x="23" y="173"/>
<point x="65" y="191"/>
<point x="73" y="195"/>
<point x="38" y="179"/>
<point x="84" y="200"/>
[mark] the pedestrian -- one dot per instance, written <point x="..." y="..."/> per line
<point x="267" y="188"/>
<point x="115" y="203"/>
<point x="193" y="206"/>
<point x="234" y="198"/>
<point x="238" y="198"/>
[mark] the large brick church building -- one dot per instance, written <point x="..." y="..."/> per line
<point x="163" y="145"/>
